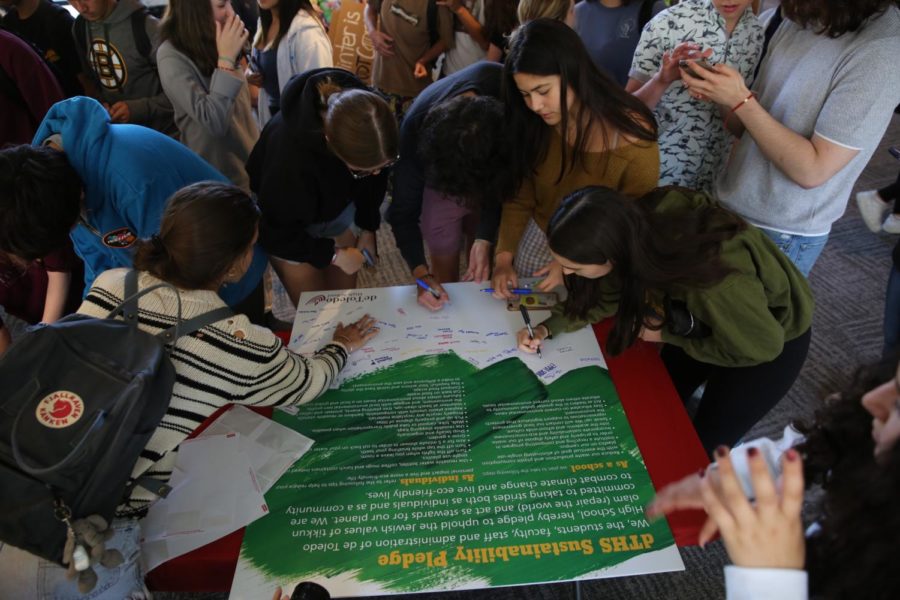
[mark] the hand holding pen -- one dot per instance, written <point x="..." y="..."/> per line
<point x="430" y="293"/>
<point x="533" y="343"/>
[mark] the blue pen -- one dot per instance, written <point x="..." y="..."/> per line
<point x="368" y="256"/>
<point x="512" y="290"/>
<point x="427" y="287"/>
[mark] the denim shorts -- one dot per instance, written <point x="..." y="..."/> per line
<point x="336" y="226"/>
<point x="803" y="250"/>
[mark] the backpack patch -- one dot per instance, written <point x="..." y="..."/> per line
<point x="122" y="237"/>
<point x="59" y="409"/>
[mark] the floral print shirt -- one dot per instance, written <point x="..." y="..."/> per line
<point x="693" y="142"/>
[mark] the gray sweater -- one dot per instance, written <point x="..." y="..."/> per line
<point x="121" y="72"/>
<point x="213" y="114"/>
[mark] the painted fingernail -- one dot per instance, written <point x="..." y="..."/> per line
<point x="752" y="452"/>
<point x="792" y="455"/>
<point x="722" y="451"/>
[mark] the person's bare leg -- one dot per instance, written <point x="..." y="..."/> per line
<point x="298" y="278"/>
<point x="445" y="268"/>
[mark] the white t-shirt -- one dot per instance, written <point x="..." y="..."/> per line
<point x="466" y="50"/>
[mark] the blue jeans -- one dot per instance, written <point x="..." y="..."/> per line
<point x="892" y="315"/>
<point x="803" y="250"/>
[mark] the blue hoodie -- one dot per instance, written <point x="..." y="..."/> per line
<point x="128" y="172"/>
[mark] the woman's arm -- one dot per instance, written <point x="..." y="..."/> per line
<point x="213" y="109"/>
<point x="651" y="91"/>
<point x="57" y="292"/>
<point x="468" y="20"/>
<point x="808" y="162"/>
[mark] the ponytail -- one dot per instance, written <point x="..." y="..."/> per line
<point x="205" y="228"/>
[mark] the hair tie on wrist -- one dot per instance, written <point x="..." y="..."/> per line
<point x="743" y="102"/>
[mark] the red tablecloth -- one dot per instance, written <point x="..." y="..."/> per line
<point x="661" y="428"/>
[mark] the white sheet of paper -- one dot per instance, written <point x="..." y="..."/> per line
<point x="272" y="448"/>
<point x="474" y="325"/>
<point x="214" y="493"/>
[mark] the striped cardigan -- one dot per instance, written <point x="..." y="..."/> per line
<point x="231" y="361"/>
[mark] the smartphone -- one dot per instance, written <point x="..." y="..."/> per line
<point x="533" y="301"/>
<point x="700" y="63"/>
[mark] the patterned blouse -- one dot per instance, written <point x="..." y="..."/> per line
<point x="693" y="142"/>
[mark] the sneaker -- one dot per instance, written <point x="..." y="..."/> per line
<point x="872" y="209"/>
<point x="891" y="224"/>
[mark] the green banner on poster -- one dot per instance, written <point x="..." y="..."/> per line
<point x="434" y="474"/>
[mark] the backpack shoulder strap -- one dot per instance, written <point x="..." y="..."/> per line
<point x="195" y="324"/>
<point x="645" y="13"/>
<point x="129" y="310"/>
<point x="774" y="22"/>
<point x="139" y="31"/>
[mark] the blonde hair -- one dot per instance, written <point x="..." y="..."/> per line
<point x="360" y="126"/>
<point x="557" y="10"/>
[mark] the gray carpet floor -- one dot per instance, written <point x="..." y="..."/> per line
<point x="849" y="285"/>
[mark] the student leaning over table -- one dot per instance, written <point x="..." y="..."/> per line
<point x="676" y="268"/>
<point x="851" y="451"/>
<point x="206" y="239"/>
<point x="577" y="127"/>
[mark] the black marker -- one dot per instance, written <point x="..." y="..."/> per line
<point x="527" y="318"/>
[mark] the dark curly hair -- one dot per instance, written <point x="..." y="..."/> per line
<point x="40" y="200"/>
<point x="650" y="251"/>
<point x="833" y="18"/>
<point x="465" y="150"/>
<point x="854" y="553"/>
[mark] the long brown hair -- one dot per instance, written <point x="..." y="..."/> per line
<point x="649" y="252"/>
<point x="205" y="228"/>
<point x="551" y="48"/>
<point x="834" y="18"/>
<point x="189" y="25"/>
<point x="360" y="127"/>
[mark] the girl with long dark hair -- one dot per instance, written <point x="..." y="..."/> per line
<point x="576" y="128"/>
<point x="851" y="451"/>
<point x="290" y="39"/>
<point x="673" y="267"/>
<point x="199" y="67"/>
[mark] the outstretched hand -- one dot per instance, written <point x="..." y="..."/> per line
<point x="355" y="335"/>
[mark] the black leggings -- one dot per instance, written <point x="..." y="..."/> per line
<point x="735" y="398"/>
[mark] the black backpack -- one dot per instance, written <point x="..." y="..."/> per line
<point x="79" y="399"/>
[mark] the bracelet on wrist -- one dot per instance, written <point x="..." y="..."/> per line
<point x="743" y="102"/>
<point x="228" y="60"/>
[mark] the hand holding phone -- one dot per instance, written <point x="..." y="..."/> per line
<point x="686" y="65"/>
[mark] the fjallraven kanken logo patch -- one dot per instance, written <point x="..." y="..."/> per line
<point x="119" y="238"/>
<point x="59" y="409"/>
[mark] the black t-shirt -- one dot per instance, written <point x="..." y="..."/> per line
<point x="50" y="29"/>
